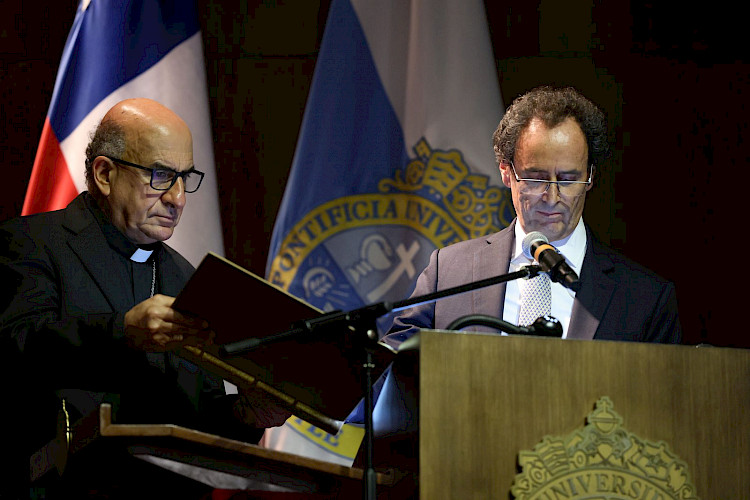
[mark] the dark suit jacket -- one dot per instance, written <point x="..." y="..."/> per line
<point x="618" y="299"/>
<point x="65" y="294"/>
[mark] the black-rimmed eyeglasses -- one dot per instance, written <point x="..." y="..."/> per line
<point x="162" y="178"/>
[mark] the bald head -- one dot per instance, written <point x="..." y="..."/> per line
<point x="144" y="121"/>
<point x="146" y="133"/>
<point x="130" y="127"/>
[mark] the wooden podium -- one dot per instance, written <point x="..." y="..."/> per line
<point x="682" y="412"/>
<point x="485" y="398"/>
<point x="178" y="455"/>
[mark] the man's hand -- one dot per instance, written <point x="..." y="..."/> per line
<point x="257" y="408"/>
<point x="154" y="326"/>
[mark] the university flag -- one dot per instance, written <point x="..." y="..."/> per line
<point x="393" y="160"/>
<point x="118" y="49"/>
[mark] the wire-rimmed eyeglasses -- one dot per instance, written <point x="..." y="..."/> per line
<point x="568" y="189"/>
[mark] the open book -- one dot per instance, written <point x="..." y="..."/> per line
<point x="317" y="377"/>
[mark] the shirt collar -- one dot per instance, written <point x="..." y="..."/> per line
<point x="572" y="247"/>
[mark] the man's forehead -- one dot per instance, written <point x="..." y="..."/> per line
<point x="171" y="166"/>
<point x="157" y="149"/>
<point x="552" y="166"/>
<point x="566" y="138"/>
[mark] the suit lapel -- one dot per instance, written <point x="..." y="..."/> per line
<point x="593" y="298"/>
<point x="493" y="260"/>
<point x="89" y="245"/>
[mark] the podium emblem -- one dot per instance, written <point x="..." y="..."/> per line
<point x="601" y="461"/>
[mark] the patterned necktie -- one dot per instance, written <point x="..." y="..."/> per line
<point x="536" y="299"/>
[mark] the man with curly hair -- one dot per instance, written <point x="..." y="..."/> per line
<point x="548" y="146"/>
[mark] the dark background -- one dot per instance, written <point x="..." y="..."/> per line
<point x="670" y="78"/>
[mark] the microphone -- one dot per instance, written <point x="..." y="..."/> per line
<point x="536" y="246"/>
<point x="543" y="326"/>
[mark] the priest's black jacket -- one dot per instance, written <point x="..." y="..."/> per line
<point x="66" y="286"/>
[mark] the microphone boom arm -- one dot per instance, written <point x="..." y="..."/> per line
<point x="364" y="319"/>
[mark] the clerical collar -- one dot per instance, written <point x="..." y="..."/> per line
<point x="141" y="255"/>
<point x="118" y="241"/>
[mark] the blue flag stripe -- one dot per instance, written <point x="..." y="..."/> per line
<point x="136" y="36"/>
<point x="350" y="136"/>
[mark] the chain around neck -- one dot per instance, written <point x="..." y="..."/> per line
<point x="153" y="277"/>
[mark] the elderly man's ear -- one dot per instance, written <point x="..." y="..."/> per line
<point x="104" y="171"/>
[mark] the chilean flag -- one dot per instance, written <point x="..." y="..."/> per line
<point x="118" y="49"/>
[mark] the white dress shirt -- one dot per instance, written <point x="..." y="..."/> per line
<point x="573" y="248"/>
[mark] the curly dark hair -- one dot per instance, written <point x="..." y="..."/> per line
<point x="108" y="139"/>
<point x="552" y="106"/>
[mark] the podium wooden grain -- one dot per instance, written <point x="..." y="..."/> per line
<point x="484" y="398"/>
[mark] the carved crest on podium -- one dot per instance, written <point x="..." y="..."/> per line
<point x="601" y="461"/>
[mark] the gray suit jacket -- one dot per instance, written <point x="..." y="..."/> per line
<point x="618" y="299"/>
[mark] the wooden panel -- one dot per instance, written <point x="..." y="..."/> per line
<point x="206" y="458"/>
<point x="486" y="397"/>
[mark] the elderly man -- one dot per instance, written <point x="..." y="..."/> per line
<point x="548" y="146"/>
<point x="86" y="314"/>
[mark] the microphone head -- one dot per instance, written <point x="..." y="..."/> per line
<point x="547" y="326"/>
<point x="532" y="239"/>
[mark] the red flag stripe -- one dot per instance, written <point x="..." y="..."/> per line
<point x="51" y="186"/>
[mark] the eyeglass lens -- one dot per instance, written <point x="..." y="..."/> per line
<point x="163" y="179"/>
<point x="565" y="188"/>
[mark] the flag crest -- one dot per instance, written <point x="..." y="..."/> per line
<point x="366" y="203"/>
<point x="368" y="247"/>
<point x="394" y="159"/>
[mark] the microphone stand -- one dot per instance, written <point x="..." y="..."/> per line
<point x="364" y="319"/>
<point x="363" y="323"/>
